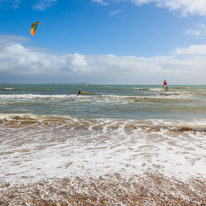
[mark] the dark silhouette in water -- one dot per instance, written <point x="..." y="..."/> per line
<point x="79" y="92"/>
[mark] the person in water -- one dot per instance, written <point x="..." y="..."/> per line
<point x="79" y="92"/>
<point x="165" y="85"/>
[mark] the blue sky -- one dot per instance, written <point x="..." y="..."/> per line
<point x="103" y="41"/>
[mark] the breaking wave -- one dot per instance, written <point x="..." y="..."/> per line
<point x="103" y="124"/>
<point x="40" y="147"/>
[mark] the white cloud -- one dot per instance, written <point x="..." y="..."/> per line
<point x="183" y="66"/>
<point x="102" y="2"/>
<point x="185" y="7"/>
<point x="78" y="60"/>
<point x="11" y="3"/>
<point x="6" y="38"/>
<point x="192" y="50"/>
<point x="199" y="31"/>
<point x="113" y="13"/>
<point x="14" y="57"/>
<point x="43" y="4"/>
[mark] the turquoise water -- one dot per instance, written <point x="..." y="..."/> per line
<point x="106" y="101"/>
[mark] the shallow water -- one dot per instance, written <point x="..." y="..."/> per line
<point x="35" y="147"/>
<point x="127" y="102"/>
<point x="48" y="131"/>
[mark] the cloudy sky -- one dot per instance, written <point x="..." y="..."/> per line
<point x="103" y="41"/>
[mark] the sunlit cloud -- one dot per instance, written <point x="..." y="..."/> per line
<point x="199" y="31"/>
<point x="11" y="3"/>
<point x="43" y="4"/>
<point x="101" y="2"/>
<point x="185" y="7"/>
<point x="192" y="50"/>
<point x="184" y="65"/>
<point x="115" y="12"/>
<point x="11" y="37"/>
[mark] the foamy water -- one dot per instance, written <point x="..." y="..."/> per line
<point x="126" y="102"/>
<point x="35" y="148"/>
<point x="48" y="131"/>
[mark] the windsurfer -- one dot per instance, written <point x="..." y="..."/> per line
<point x="165" y="85"/>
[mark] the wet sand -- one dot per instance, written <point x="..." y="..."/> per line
<point x="56" y="161"/>
<point x="148" y="189"/>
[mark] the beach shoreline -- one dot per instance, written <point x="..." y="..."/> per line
<point x="123" y="146"/>
<point x="111" y="190"/>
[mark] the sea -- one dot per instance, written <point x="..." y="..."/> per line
<point x="49" y="131"/>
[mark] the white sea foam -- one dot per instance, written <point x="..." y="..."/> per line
<point x="34" y="96"/>
<point x="66" y="146"/>
<point x="8" y="88"/>
<point x="141" y="88"/>
<point x="157" y="89"/>
<point x="89" y="99"/>
<point x="172" y="96"/>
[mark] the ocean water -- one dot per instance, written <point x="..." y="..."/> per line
<point x="48" y="131"/>
<point x="122" y="102"/>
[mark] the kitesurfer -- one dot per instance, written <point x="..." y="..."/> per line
<point x="165" y="85"/>
<point x="79" y="92"/>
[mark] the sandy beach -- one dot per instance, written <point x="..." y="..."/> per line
<point x="148" y="189"/>
<point x="59" y="160"/>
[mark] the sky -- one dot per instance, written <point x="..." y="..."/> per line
<point x="103" y="42"/>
